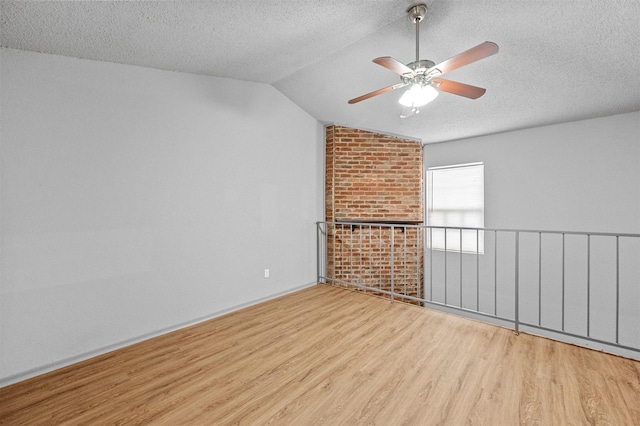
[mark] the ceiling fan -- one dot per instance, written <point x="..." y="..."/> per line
<point x="424" y="75"/>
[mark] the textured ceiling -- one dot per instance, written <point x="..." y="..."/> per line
<point x="559" y="60"/>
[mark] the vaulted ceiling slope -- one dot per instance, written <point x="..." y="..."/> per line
<point x="559" y="61"/>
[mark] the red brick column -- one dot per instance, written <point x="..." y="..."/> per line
<point x="374" y="177"/>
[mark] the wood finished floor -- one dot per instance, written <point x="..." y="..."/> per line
<point x="331" y="356"/>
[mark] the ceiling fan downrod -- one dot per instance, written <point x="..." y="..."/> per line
<point x="416" y="14"/>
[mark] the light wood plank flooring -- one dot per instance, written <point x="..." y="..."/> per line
<point x="331" y="356"/>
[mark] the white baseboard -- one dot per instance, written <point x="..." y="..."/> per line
<point x="15" y="378"/>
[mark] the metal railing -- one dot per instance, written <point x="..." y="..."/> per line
<point x="581" y="287"/>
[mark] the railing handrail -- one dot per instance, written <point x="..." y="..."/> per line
<point x="463" y="228"/>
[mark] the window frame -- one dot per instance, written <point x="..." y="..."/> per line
<point x="453" y="243"/>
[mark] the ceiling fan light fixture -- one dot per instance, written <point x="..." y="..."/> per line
<point x="418" y="96"/>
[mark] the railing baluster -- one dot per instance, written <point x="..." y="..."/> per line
<point x="404" y="259"/>
<point x="337" y="240"/>
<point x="360" y="274"/>
<point x="381" y="259"/>
<point x="418" y="251"/>
<point x="517" y="285"/>
<point x="370" y="274"/>
<point x="461" y="268"/>
<point x="477" y="270"/>
<point x="333" y="251"/>
<point x="318" y="251"/>
<point x="588" y="285"/>
<point x="392" y="261"/>
<point x="351" y="274"/>
<point x="344" y="246"/>
<point x="539" y="278"/>
<point x="495" y="273"/>
<point x="445" y="266"/>
<point x="617" y="289"/>
<point x="344" y="261"/>
<point x="563" y="281"/>
<point x="430" y="264"/>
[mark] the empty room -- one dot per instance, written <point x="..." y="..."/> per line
<point x="320" y="212"/>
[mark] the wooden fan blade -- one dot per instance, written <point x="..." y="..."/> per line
<point x="377" y="92"/>
<point x="474" y="54"/>
<point x="394" y="65"/>
<point x="460" y="89"/>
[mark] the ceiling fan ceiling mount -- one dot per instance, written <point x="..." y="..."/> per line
<point x="417" y="13"/>
<point x="424" y="75"/>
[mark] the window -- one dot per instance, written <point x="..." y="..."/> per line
<point x="455" y="197"/>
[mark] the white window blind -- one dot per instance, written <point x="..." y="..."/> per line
<point x="455" y="197"/>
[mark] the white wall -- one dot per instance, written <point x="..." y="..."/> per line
<point x="136" y="200"/>
<point x="580" y="176"/>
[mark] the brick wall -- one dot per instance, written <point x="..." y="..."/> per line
<point x="374" y="177"/>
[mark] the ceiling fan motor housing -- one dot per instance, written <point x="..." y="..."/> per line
<point x="420" y="67"/>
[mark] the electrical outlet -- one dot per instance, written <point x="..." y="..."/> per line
<point x="266" y="273"/>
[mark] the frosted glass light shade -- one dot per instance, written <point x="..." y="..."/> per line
<point x="418" y="95"/>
